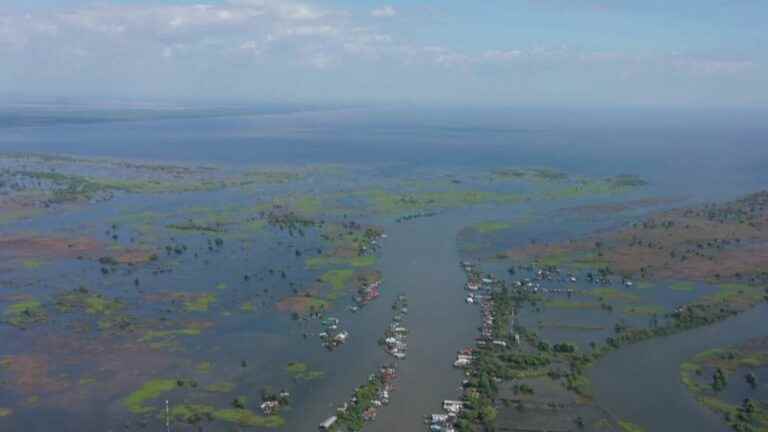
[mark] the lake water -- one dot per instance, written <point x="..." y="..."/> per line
<point x="692" y="155"/>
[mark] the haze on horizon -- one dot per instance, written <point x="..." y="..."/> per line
<point x="697" y="53"/>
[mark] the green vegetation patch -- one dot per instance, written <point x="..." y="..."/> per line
<point x="540" y="174"/>
<point x="199" y="303"/>
<point x="220" y="387"/>
<point x="328" y="261"/>
<point x="750" y="415"/>
<point x="153" y="335"/>
<point x="339" y="281"/>
<point x="612" y="294"/>
<point x="92" y="303"/>
<point x="566" y="304"/>
<point x="244" y="417"/>
<point x="32" y="264"/>
<point x="683" y="286"/>
<point x="644" y="310"/>
<point x="23" y="314"/>
<point x="204" y="367"/>
<point x="135" y="402"/>
<point x="5" y="412"/>
<point x="491" y="226"/>
<point x="192" y="413"/>
<point x="302" y="371"/>
<point x="629" y="427"/>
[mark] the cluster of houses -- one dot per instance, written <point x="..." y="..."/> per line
<point x="368" y="293"/>
<point x="463" y="358"/>
<point x="396" y="336"/>
<point x="271" y="405"/>
<point x="333" y="336"/>
<point x="445" y="422"/>
<point x="395" y="344"/>
<point x="384" y="382"/>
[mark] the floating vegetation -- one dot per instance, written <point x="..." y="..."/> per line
<point x="328" y="261"/>
<point x="5" y="412"/>
<point x="199" y="302"/>
<point x="708" y="374"/>
<point x="32" y="264"/>
<point x="683" y="286"/>
<point x="83" y="299"/>
<point x="629" y="427"/>
<point x="153" y="335"/>
<point x="612" y="294"/>
<point x="491" y="226"/>
<point x="541" y="174"/>
<point x="567" y="304"/>
<point x="642" y="310"/>
<point x="136" y="401"/>
<point x="26" y="313"/>
<point x="220" y="387"/>
<point x="302" y="371"/>
<point x="192" y="413"/>
<point x="248" y="418"/>
<point x="339" y="281"/>
<point x="303" y="304"/>
<point x="204" y="367"/>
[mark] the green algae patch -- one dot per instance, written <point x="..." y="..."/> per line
<point x="247" y="307"/>
<point x="244" y="417"/>
<point x="200" y="303"/>
<point x="629" y="427"/>
<point x="220" y="387"/>
<point x="25" y="313"/>
<point x="221" y="286"/>
<point x="303" y="372"/>
<point x="149" y="391"/>
<point x="5" y="412"/>
<point x="192" y="413"/>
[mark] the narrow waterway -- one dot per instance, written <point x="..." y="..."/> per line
<point x="420" y="259"/>
<point x="641" y="383"/>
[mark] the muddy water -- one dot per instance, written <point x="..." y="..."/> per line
<point x="641" y="383"/>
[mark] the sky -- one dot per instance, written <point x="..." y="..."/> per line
<point x="699" y="53"/>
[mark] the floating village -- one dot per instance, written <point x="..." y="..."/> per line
<point x="362" y="407"/>
<point x="479" y="288"/>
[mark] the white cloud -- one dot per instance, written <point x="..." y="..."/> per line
<point x="384" y="12"/>
<point x="157" y="45"/>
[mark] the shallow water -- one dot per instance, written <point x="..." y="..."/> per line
<point x="420" y="257"/>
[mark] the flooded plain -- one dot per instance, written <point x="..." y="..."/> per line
<point x="198" y="261"/>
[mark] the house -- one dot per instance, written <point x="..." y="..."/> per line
<point x="453" y="406"/>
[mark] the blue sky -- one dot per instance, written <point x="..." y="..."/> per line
<point x="513" y="52"/>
